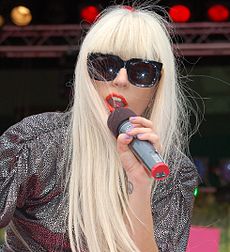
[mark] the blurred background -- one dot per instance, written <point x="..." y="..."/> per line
<point x="39" y="43"/>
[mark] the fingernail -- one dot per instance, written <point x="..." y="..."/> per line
<point x="128" y="137"/>
<point x="132" y="118"/>
<point x="139" y="135"/>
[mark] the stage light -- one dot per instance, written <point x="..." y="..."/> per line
<point x="180" y="13"/>
<point x="21" y="15"/>
<point x="89" y="13"/>
<point x="218" y="13"/>
<point x="2" y="21"/>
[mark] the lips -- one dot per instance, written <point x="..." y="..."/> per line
<point x="114" y="101"/>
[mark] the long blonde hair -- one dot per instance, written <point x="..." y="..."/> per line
<point x="98" y="201"/>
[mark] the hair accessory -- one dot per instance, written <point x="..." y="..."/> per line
<point x="130" y="8"/>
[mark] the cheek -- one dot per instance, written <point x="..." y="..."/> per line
<point x="102" y="88"/>
<point x="143" y="101"/>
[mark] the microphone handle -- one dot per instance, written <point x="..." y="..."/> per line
<point x="146" y="154"/>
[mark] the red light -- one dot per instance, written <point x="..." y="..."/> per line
<point x="218" y="13"/>
<point x="180" y="13"/>
<point x="89" y="13"/>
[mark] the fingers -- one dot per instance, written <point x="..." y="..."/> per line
<point x="141" y="121"/>
<point x="152" y="138"/>
<point x="131" y="165"/>
<point x="143" y="129"/>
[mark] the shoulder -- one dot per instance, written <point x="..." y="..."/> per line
<point x="186" y="172"/>
<point x="180" y="184"/>
<point x="34" y="127"/>
<point x="182" y="170"/>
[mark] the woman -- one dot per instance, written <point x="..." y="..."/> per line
<point x="66" y="184"/>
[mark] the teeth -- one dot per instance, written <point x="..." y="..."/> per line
<point x="117" y="99"/>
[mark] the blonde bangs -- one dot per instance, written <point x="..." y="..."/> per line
<point x="123" y="35"/>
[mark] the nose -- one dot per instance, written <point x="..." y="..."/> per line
<point x="121" y="79"/>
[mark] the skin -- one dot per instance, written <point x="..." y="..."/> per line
<point x="139" y="181"/>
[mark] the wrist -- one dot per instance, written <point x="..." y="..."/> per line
<point x="138" y="180"/>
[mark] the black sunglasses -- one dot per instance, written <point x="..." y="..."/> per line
<point x="141" y="73"/>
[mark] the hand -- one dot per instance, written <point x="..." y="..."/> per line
<point x="143" y="129"/>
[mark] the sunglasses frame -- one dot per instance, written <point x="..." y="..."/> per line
<point x="125" y="64"/>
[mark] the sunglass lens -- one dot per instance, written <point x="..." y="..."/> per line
<point x="104" y="68"/>
<point x="142" y="74"/>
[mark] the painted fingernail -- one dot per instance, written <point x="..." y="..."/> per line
<point x="139" y="135"/>
<point x="128" y="136"/>
<point x="132" y="118"/>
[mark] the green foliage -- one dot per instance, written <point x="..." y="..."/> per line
<point x="209" y="212"/>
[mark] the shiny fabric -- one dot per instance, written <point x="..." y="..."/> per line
<point x="32" y="200"/>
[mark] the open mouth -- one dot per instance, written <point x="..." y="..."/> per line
<point x="114" y="101"/>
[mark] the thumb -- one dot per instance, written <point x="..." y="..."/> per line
<point x="122" y="142"/>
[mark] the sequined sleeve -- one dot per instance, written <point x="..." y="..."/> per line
<point x="22" y="148"/>
<point x="172" y="208"/>
<point x="13" y="170"/>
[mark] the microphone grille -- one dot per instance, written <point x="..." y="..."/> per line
<point x="117" y="117"/>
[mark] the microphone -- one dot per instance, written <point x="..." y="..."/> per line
<point x="118" y="122"/>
